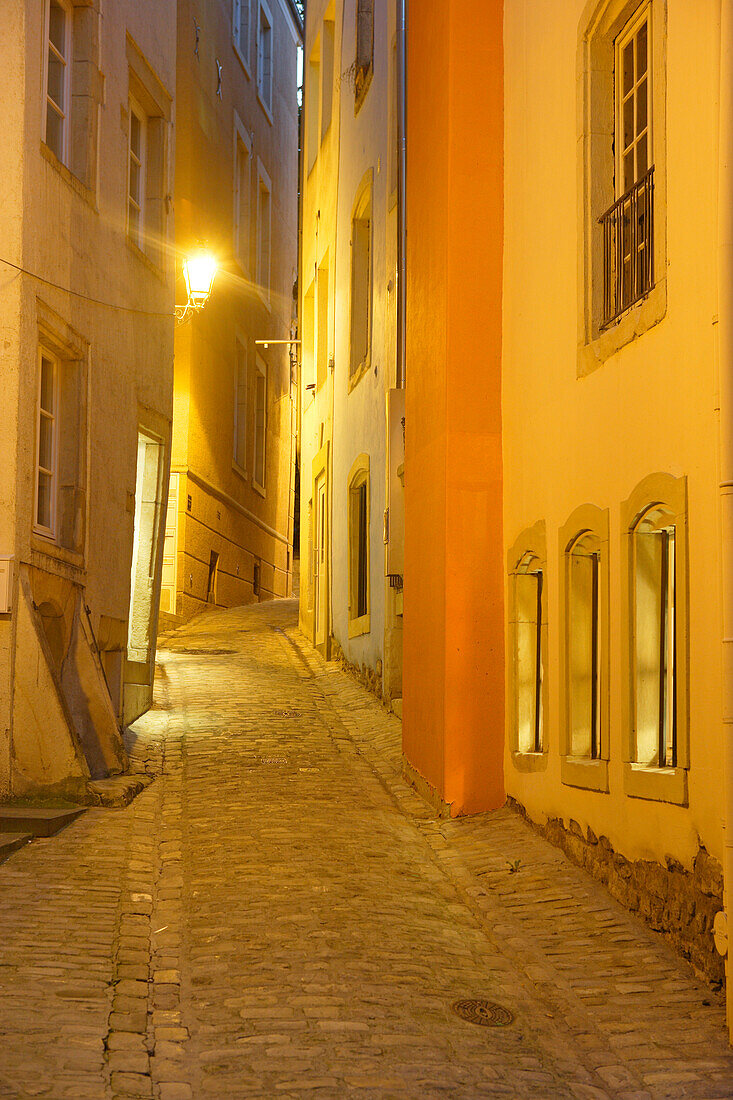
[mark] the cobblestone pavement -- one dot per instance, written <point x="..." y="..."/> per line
<point x="279" y="915"/>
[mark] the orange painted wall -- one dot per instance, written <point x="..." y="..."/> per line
<point x="453" y="675"/>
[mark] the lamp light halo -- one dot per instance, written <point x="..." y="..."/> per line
<point x="199" y="271"/>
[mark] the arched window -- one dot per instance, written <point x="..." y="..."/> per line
<point x="655" y="524"/>
<point x="358" y="520"/>
<point x="584" y="648"/>
<point x="528" y="648"/>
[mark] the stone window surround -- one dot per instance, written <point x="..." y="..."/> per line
<point x="531" y="543"/>
<point x="242" y="51"/>
<point x="663" y="784"/>
<point x="264" y="95"/>
<point x="358" y="475"/>
<point x="69" y="348"/>
<point x="242" y="146"/>
<point x="260" y="371"/>
<point x="591" y="774"/>
<point x="598" y="29"/>
<point x="264" y="183"/>
<point x="362" y="206"/>
<point x="363" y="65"/>
<point x="150" y="96"/>
<point x="85" y="92"/>
<point x="241" y="404"/>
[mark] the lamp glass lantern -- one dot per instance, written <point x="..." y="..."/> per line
<point x="199" y="271"/>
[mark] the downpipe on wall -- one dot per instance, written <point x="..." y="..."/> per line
<point x="725" y="348"/>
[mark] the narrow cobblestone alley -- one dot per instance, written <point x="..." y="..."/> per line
<point x="278" y="914"/>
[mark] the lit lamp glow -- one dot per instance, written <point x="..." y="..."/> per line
<point x="199" y="271"/>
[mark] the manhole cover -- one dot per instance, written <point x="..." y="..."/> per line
<point x="485" y="1013"/>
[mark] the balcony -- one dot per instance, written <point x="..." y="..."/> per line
<point x="628" y="249"/>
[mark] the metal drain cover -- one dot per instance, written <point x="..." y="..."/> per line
<point x="206" y="652"/>
<point x="484" y="1013"/>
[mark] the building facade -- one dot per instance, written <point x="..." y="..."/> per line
<point x="86" y="357"/>
<point x="352" y="409"/>
<point x="229" y="532"/>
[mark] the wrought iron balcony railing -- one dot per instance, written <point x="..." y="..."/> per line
<point x="628" y="249"/>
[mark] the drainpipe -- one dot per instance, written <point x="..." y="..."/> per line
<point x="401" y="167"/>
<point x="725" y="349"/>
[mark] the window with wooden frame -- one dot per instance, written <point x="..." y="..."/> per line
<point x="59" y="507"/>
<point x="242" y="193"/>
<point x="583" y="550"/>
<point x="361" y="285"/>
<point x="259" y="463"/>
<point x="526" y="668"/>
<point x="264" y="229"/>
<point x="136" y="172"/>
<point x="657" y="752"/>
<point x="58" y="78"/>
<point x="264" y="57"/>
<point x="240" y="30"/>
<point x="358" y="542"/>
<point x="655" y="646"/>
<point x="47" y="428"/>
<point x="241" y="380"/>
<point x="622" y="201"/>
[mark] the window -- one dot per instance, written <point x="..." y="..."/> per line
<point x="312" y="104"/>
<point x="328" y="37"/>
<point x="584" y="650"/>
<point x="323" y="333"/>
<point x="361" y="286"/>
<point x="60" y="435"/>
<point x="240" y="30"/>
<point x="527" y="605"/>
<point x="242" y="188"/>
<point x="654" y="518"/>
<point x="364" y="49"/>
<point x="528" y="591"/>
<point x="263" y="232"/>
<point x="655" y="640"/>
<point x="622" y="204"/>
<point x="264" y="57"/>
<point x="259" y="469"/>
<point x="240" y="406"/>
<point x="628" y="223"/>
<point x="136" y="175"/>
<point x="308" y="345"/>
<point x="58" y="78"/>
<point x="47" y="445"/>
<point x="358" y="520"/>
<point x="148" y="201"/>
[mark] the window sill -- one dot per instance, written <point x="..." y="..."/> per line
<point x="635" y="322"/>
<point x="265" y="108"/>
<point x="76" y="185"/>
<point x="359" y="373"/>
<point x="240" y="471"/>
<point x="241" y="60"/>
<point x="264" y="298"/>
<point x="529" y="761"/>
<point x="360" y="626"/>
<point x="363" y="81"/>
<point x="259" y="489"/>
<point x="656" y="784"/>
<point x="45" y="553"/>
<point x="579" y="771"/>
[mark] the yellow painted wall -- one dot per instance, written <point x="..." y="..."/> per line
<point x="651" y="407"/>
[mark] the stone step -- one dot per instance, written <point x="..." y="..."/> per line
<point x="10" y="842"/>
<point x="118" y="790"/>
<point x="36" y="820"/>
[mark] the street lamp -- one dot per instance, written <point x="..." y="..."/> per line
<point x="199" y="271"/>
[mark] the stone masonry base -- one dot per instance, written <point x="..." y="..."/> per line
<point x="678" y="903"/>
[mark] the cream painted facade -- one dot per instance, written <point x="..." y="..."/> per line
<point x="231" y="495"/>
<point x="604" y="426"/>
<point x="348" y="328"/>
<point x="86" y="359"/>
